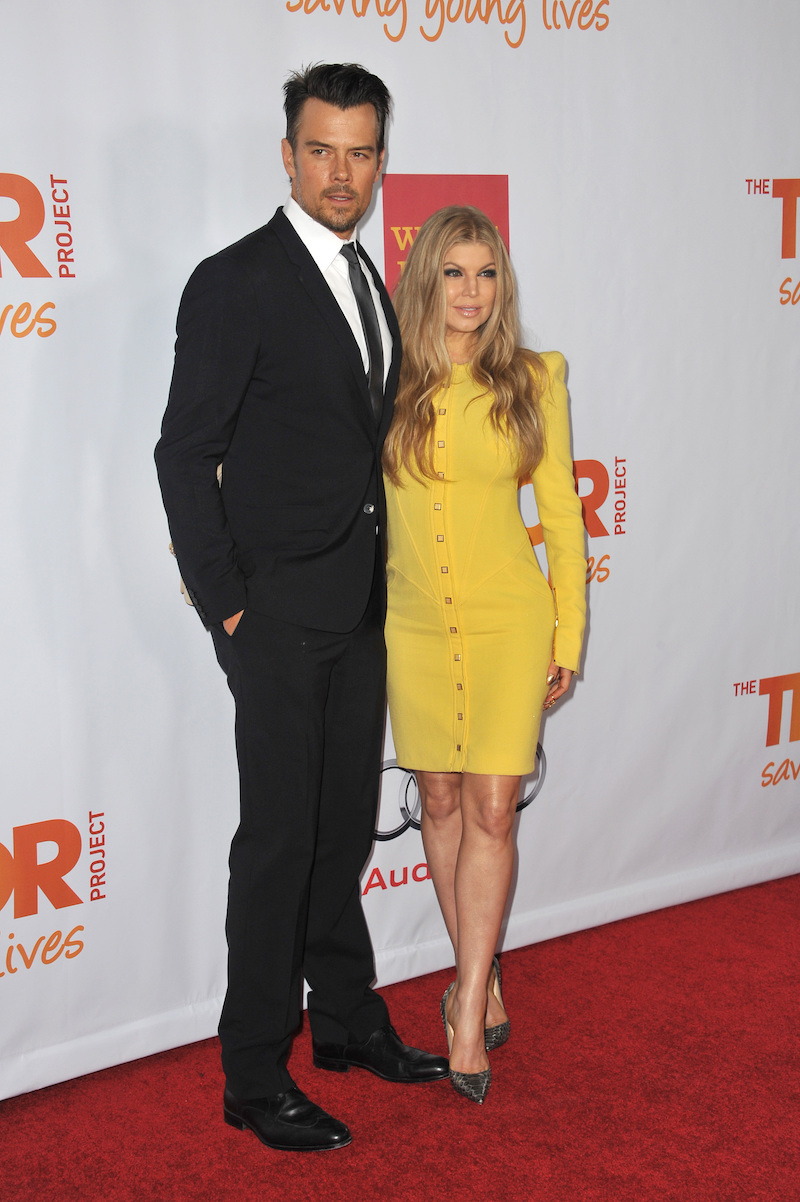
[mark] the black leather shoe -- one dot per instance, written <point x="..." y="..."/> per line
<point x="383" y="1054"/>
<point x="289" y="1122"/>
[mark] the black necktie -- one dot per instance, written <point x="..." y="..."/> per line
<point x="369" y="322"/>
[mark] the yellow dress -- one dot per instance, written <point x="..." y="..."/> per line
<point x="472" y="623"/>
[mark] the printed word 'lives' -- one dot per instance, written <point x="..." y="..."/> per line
<point x="45" y="950"/>
<point x="20" y="320"/>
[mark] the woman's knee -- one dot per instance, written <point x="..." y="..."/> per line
<point x="493" y="819"/>
<point x="489" y="805"/>
<point x="440" y="795"/>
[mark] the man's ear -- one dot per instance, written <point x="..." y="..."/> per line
<point x="287" y="154"/>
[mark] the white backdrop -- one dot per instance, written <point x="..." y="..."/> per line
<point x="641" y="143"/>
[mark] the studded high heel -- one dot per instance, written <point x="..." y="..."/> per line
<point x="474" y="1086"/>
<point x="495" y="1037"/>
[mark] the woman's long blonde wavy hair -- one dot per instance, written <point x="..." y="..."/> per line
<point x="515" y="377"/>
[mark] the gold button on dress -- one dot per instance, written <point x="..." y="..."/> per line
<point x="471" y="623"/>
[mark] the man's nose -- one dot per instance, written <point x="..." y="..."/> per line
<point x="341" y="167"/>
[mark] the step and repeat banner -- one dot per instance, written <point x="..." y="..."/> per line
<point x="642" y="161"/>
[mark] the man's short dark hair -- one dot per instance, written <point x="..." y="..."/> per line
<point x="345" y="85"/>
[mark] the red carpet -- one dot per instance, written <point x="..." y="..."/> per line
<point x="650" y="1059"/>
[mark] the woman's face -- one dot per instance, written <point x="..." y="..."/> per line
<point x="470" y="285"/>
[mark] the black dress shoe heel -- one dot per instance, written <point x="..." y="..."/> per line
<point x="474" y="1086"/>
<point x="333" y="1066"/>
<point x="495" y="1037"/>
<point x="232" y="1119"/>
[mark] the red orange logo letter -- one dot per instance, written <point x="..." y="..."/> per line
<point x="775" y="687"/>
<point x="16" y="234"/>
<point x="23" y="875"/>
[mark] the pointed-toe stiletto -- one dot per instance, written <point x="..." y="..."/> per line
<point x="474" y="1086"/>
<point x="495" y="1037"/>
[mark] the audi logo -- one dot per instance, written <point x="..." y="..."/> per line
<point x="399" y="789"/>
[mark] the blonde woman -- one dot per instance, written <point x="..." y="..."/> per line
<point x="478" y="641"/>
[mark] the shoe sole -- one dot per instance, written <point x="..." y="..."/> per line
<point x="344" y="1066"/>
<point x="233" y="1120"/>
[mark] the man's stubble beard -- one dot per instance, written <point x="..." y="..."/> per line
<point x="337" y="223"/>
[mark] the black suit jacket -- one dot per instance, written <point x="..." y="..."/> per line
<point x="269" y="382"/>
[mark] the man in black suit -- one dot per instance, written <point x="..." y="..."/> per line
<point x="286" y="367"/>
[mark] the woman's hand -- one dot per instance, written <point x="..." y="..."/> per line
<point x="559" y="680"/>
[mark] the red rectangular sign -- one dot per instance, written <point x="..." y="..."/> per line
<point x="408" y="200"/>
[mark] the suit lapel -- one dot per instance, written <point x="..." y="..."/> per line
<point x="312" y="279"/>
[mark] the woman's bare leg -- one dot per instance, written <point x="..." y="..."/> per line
<point x="440" y="794"/>
<point x="468" y="824"/>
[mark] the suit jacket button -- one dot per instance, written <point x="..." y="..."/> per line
<point x="369" y="508"/>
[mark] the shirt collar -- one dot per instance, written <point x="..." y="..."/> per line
<point x="322" y="244"/>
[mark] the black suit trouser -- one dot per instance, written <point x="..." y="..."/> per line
<point x="309" y="730"/>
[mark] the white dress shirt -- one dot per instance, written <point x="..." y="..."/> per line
<point x="324" y="247"/>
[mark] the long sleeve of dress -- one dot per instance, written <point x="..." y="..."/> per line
<point x="562" y="521"/>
